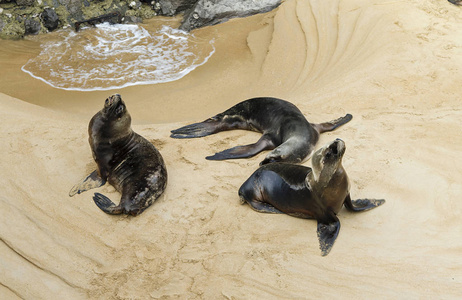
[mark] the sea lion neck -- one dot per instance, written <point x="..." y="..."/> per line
<point x="106" y="129"/>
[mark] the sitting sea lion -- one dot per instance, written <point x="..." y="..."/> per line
<point x="284" y="129"/>
<point x="302" y="192"/>
<point x="124" y="158"/>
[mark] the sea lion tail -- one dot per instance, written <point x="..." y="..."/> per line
<point x="332" y="125"/>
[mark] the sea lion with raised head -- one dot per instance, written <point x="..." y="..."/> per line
<point x="285" y="130"/>
<point x="125" y="159"/>
<point x="318" y="193"/>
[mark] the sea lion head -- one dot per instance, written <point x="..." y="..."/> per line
<point x="327" y="160"/>
<point x="114" y="108"/>
<point x="115" y="117"/>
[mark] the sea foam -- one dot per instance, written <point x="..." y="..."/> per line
<point x="116" y="56"/>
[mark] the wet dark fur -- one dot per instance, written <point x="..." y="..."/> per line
<point x="125" y="159"/>
<point x="284" y="128"/>
<point x="295" y="190"/>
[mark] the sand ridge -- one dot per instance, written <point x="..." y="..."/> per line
<point x="394" y="65"/>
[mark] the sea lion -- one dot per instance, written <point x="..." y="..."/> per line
<point x="125" y="159"/>
<point x="283" y="125"/>
<point x="302" y="192"/>
<point x="456" y="2"/>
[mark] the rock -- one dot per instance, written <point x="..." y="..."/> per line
<point x="197" y="13"/>
<point x="211" y="12"/>
<point x="32" y="26"/>
<point x="50" y="19"/>
<point x="73" y="6"/>
<point x="131" y="19"/>
<point x="173" y="7"/>
<point x="135" y="4"/>
<point x="12" y="30"/>
<point x="25" y="2"/>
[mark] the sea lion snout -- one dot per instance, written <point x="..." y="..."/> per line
<point x="114" y="105"/>
<point x="111" y="99"/>
<point x="337" y="147"/>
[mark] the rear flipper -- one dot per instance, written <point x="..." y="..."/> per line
<point x="90" y="182"/>
<point x="264" y="143"/>
<point x="327" y="234"/>
<point x="332" y="125"/>
<point x="196" y="130"/>
<point x="362" y="204"/>
<point x="106" y="205"/>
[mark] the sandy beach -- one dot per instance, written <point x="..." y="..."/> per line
<point x="396" y="66"/>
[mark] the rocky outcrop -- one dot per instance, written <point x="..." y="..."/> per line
<point x="211" y="12"/>
<point x="50" y="19"/>
<point x="173" y="7"/>
<point x="21" y="17"/>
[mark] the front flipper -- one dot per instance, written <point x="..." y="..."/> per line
<point x="327" y="233"/>
<point x="106" y="205"/>
<point x="362" y="204"/>
<point x="90" y="182"/>
<point x="196" y="130"/>
<point x="263" y="207"/>
<point x="264" y="143"/>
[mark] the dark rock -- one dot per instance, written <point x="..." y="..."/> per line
<point x="73" y="6"/>
<point x="50" y="19"/>
<point x="132" y="19"/>
<point x="211" y="12"/>
<point x="25" y="2"/>
<point x="32" y="26"/>
<point x="173" y="7"/>
<point x="112" y="18"/>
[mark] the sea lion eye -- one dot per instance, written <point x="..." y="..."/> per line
<point x="120" y="109"/>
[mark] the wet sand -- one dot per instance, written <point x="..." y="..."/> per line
<point x="395" y="66"/>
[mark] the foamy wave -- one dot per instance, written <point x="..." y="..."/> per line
<point x="117" y="56"/>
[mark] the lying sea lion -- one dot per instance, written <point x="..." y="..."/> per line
<point x="284" y="129"/>
<point x="456" y="2"/>
<point x="125" y="159"/>
<point x="302" y="192"/>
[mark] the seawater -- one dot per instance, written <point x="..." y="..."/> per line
<point x="115" y="56"/>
